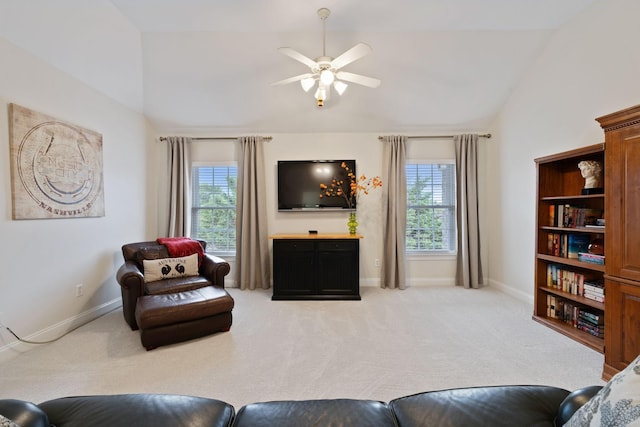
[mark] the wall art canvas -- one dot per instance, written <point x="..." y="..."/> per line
<point x="56" y="167"/>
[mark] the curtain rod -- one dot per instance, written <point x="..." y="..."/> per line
<point x="486" y="135"/>
<point x="214" y="138"/>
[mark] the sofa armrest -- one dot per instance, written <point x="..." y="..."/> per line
<point x="574" y="401"/>
<point x="129" y="276"/>
<point x="131" y="281"/>
<point x="22" y="413"/>
<point x="214" y="269"/>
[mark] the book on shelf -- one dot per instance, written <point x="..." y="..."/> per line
<point x="594" y="286"/>
<point x="593" y="318"/>
<point x="555" y="244"/>
<point x="551" y="306"/>
<point x="567" y="216"/>
<point x="577" y="243"/>
<point x="594" y="297"/>
<point x="591" y="258"/>
<point x="596" y="331"/>
<point x="569" y="245"/>
<point x="575" y="315"/>
<point x="565" y="280"/>
<point x="595" y="227"/>
<point x="575" y="283"/>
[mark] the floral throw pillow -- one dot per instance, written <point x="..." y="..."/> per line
<point x="168" y="268"/>
<point x="617" y="404"/>
<point x="6" y="422"/>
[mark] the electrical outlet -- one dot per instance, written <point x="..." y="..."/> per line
<point x="79" y="290"/>
<point x="377" y="262"/>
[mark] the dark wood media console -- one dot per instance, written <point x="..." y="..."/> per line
<point x="316" y="266"/>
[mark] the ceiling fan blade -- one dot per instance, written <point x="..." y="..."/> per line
<point x="298" y="57"/>
<point x="358" y="79"/>
<point x="355" y="53"/>
<point x="293" y="79"/>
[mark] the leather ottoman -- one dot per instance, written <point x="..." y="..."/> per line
<point x="171" y="318"/>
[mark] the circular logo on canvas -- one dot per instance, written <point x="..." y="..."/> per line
<point x="57" y="165"/>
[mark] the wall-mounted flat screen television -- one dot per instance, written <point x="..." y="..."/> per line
<point x="299" y="184"/>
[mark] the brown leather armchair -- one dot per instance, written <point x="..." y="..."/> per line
<point x="130" y="276"/>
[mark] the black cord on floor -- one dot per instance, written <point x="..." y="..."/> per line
<point x="57" y="338"/>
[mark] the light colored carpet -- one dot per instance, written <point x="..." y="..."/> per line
<point x="390" y="344"/>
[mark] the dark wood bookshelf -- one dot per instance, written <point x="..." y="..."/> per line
<point x="560" y="182"/>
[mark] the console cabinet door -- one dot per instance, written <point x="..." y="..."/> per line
<point x="316" y="269"/>
<point x="622" y="181"/>
<point x="293" y="268"/>
<point x="622" y="239"/>
<point x="338" y="267"/>
<point x="622" y="317"/>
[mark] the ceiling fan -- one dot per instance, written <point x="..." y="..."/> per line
<point x="326" y="70"/>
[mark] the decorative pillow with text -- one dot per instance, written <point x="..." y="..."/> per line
<point x="168" y="268"/>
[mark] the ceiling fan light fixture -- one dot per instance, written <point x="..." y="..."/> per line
<point x="321" y="94"/>
<point x="326" y="70"/>
<point x="340" y="87"/>
<point x="307" y="83"/>
<point x="327" y="77"/>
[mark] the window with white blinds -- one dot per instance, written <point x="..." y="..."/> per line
<point x="431" y="200"/>
<point x="213" y="212"/>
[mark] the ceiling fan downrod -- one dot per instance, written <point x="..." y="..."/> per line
<point x="324" y="13"/>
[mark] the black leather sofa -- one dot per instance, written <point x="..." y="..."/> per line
<point x="512" y="406"/>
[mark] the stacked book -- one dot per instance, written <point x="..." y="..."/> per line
<point x="591" y="258"/>
<point x="591" y="323"/>
<point x="593" y="290"/>
<point x="577" y="316"/>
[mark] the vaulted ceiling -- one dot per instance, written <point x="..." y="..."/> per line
<point x="207" y="65"/>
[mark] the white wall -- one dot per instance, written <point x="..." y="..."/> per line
<point x="367" y="150"/>
<point x="590" y="68"/>
<point x="44" y="260"/>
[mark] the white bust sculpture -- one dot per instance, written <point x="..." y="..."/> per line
<point x="592" y="173"/>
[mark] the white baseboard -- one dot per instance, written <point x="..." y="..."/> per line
<point x="14" y="348"/>
<point x="523" y="296"/>
<point x="416" y="282"/>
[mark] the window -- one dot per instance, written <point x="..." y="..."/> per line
<point x="431" y="221"/>
<point x="213" y="214"/>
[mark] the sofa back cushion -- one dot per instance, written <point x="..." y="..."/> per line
<point x="489" y="406"/>
<point x="306" y="413"/>
<point x="140" y="410"/>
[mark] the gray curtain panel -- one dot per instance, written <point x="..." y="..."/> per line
<point x="252" y="240"/>
<point x="179" y="174"/>
<point x="394" y="185"/>
<point x="469" y="265"/>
